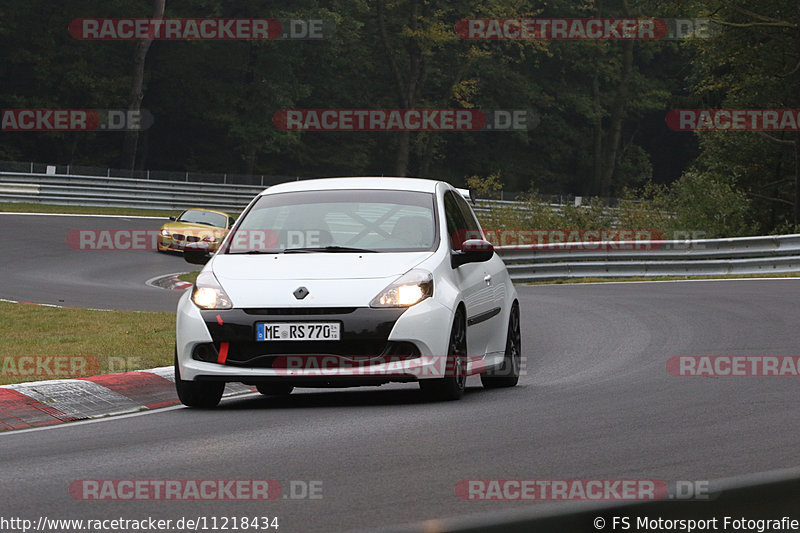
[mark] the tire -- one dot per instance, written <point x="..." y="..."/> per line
<point x="274" y="389"/>
<point x="452" y="386"/>
<point x="507" y="375"/>
<point x="202" y="394"/>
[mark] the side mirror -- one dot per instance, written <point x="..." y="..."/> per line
<point x="173" y="218"/>
<point x="472" y="251"/>
<point x="196" y="253"/>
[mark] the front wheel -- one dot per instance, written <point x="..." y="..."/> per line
<point x="507" y="375"/>
<point x="203" y="394"/>
<point x="451" y="387"/>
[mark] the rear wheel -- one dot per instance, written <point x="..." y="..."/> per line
<point x="452" y="386"/>
<point x="507" y="375"/>
<point x="203" y="394"/>
<point x="274" y="389"/>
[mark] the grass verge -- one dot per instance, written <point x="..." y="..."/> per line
<point x="97" y="341"/>
<point x="191" y="277"/>
<point x="26" y="207"/>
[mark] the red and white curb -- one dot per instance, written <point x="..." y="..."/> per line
<point x="44" y="403"/>
<point x="169" y="281"/>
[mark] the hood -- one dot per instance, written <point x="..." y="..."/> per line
<point x="322" y="266"/>
<point x="332" y="279"/>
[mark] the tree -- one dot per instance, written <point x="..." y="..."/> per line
<point x="752" y="61"/>
<point x="135" y="95"/>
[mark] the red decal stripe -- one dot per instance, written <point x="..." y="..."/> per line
<point x="223" y="353"/>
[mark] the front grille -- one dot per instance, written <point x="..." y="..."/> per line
<point x="265" y="355"/>
<point x="243" y="351"/>
<point x="177" y="236"/>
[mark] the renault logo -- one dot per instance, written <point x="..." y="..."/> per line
<point x="300" y="293"/>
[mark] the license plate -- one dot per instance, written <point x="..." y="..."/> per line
<point x="298" y="331"/>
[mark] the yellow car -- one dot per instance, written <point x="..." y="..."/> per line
<point x="194" y="225"/>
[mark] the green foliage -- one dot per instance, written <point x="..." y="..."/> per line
<point x="751" y="62"/>
<point x="696" y="206"/>
<point x="600" y="105"/>
<point x="485" y="187"/>
<point x="711" y="203"/>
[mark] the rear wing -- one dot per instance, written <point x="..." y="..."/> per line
<point x="468" y="195"/>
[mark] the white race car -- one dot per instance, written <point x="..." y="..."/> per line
<point x="342" y="282"/>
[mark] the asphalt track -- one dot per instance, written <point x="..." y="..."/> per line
<point x="596" y="402"/>
<point x="39" y="265"/>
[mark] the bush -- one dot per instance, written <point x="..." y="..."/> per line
<point x="711" y="203"/>
<point x="698" y="205"/>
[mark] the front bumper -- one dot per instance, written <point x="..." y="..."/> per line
<point x="377" y="345"/>
<point x="177" y="242"/>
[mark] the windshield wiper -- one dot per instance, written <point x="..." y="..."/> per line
<point x="329" y="249"/>
<point x="307" y="250"/>
<point x="254" y="252"/>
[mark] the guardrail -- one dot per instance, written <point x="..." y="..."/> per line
<point x="70" y="189"/>
<point x="122" y="192"/>
<point x="744" y="256"/>
<point x="762" y="496"/>
<point x="526" y="263"/>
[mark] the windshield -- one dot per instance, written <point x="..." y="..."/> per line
<point x="338" y="221"/>
<point x="208" y="218"/>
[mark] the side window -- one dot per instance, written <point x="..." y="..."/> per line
<point x="456" y="225"/>
<point x="469" y="217"/>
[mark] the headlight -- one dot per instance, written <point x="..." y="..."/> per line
<point x="209" y="294"/>
<point x="409" y="289"/>
<point x="165" y="232"/>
